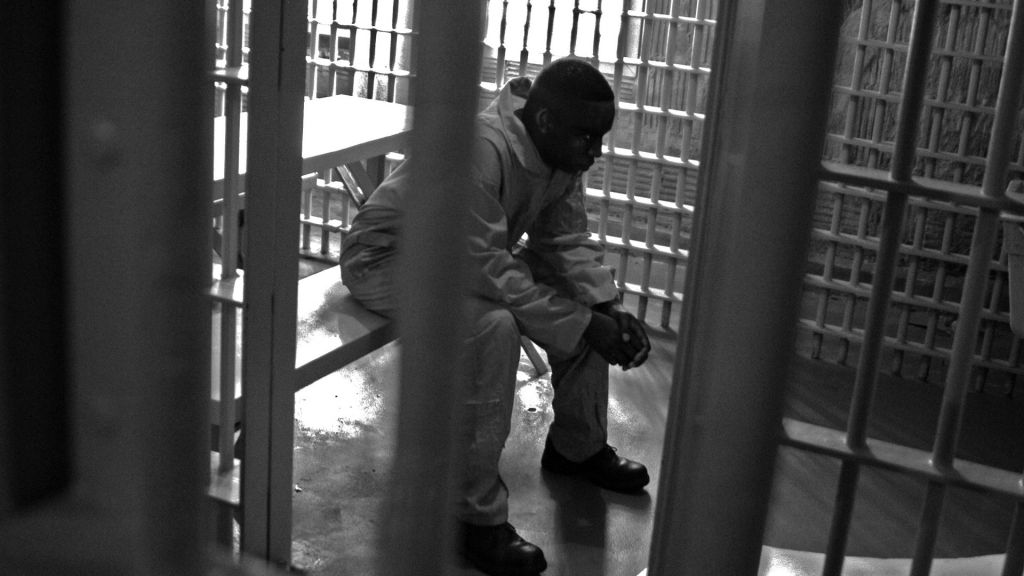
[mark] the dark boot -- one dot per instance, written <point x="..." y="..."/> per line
<point x="605" y="469"/>
<point x="500" y="551"/>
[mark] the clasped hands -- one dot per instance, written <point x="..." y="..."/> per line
<point x="617" y="335"/>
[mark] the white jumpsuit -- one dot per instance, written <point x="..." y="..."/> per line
<point x="543" y="288"/>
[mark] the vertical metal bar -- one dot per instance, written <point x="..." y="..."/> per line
<point x="431" y="259"/>
<point x="393" y="51"/>
<point x="138" y="167"/>
<point x="230" y="238"/>
<point x="982" y="248"/>
<point x="35" y="425"/>
<point x="754" y="214"/>
<point x="892" y="221"/>
<point x="983" y="245"/>
<point x="499" y="73"/>
<point x="550" y="32"/>
<point x="312" y="51"/>
<point x="524" y="52"/>
<point x="885" y="263"/>
<point x="1014" y="563"/>
<point x="371" y="77"/>
<point x="274" y="184"/>
<point x="574" y="27"/>
<point x="226" y="408"/>
<point x="842" y="514"/>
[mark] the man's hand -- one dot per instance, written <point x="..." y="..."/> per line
<point x="618" y="336"/>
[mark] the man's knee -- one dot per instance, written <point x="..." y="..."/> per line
<point x="496" y="323"/>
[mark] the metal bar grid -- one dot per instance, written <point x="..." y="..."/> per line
<point x="950" y="156"/>
<point x="919" y="222"/>
<point x="646" y="188"/>
<point x="359" y="48"/>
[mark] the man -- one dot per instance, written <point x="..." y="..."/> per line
<point x="532" y="144"/>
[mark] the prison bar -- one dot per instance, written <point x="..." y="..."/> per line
<point x="982" y="247"/>
<point x="882" y="281"/>
<point x="231" y="245"/>
<point x="432" y="268"/>
<point x="752" y="220"/>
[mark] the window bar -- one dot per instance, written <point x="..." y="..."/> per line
<point x="353" y="44"/>
<point x="626" y="230"/>
<point x="393" y="52"/>
<point x="982" y="247"/>
<point x="674" y="249"/>
<point x="228" y="377"/>
<point x="885" y="73"/>
<point x="825" y="294"/>
<point x="371" y="76"/>
<point x="332" y="51"/>
<point x="313" y="52"/>
<point x="935" y="317"/>
<point x="995" y="281"/>
<point x="848" y="156"/>
<point x="306" y="212"/>
<point x="692" y="77"/>
<point x="574" y="31"/>
<point x="232" y="129"/>
<point x="974" y="80"/>
<point x="597" y="31"/>
<point x="918" y="215"/>
<point x="938" y="112"/>
<point x="325" y="217"/>
<point x="550" y="32"/>
<point x="856" y="269"/>
<point x="621" y="45"/>
<point x="499" y="69"/>
<point x="668" y="76"/>
<point x="524" y="52"/>
<point x="866" y="378"/>
<point x="230" y="240"/>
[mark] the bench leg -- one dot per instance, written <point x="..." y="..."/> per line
<point x="535" y="358"/>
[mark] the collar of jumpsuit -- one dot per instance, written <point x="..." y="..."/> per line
<point x="511" y="99"/>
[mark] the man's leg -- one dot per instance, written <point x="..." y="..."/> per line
<point x="492" y="358"/>
<point x="368" y="272"/>
<point x="580" y="405"/>
<point x="577" y="441"/>
<point x="488" y="540"/>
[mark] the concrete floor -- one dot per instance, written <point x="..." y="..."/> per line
<point x="344" y="442"/>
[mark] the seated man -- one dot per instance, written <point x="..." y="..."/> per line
<point x="532" y="144"/>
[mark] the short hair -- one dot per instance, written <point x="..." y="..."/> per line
<point x="565" y="81"/>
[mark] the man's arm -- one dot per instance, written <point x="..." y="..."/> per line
<point x="543" y="314"/>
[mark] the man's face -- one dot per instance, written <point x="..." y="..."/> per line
<point x="572" y="137"/>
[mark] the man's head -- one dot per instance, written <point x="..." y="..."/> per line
<point x="568" y="111"/>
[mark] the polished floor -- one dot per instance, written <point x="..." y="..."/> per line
<point x="344" y="442"/>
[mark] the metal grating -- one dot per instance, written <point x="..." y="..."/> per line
<point x="950" y="145"/>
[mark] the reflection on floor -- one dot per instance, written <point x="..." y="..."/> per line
<point x="343" y="446"/>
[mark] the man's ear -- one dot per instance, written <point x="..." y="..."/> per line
<point x="544" y="120"/>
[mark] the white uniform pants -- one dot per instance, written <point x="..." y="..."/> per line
<point x="580" y="382"/>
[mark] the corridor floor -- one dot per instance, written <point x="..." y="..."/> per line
<point x="343" y="446"/>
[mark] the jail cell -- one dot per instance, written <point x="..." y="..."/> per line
<point x="925" y="275"/>
<point x="951" y="146"/>
<point x="883" y="219"/>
